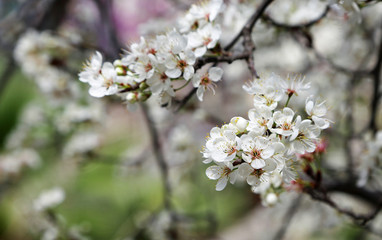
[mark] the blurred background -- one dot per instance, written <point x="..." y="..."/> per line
<point x="94" y="159"/>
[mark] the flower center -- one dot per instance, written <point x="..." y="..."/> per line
<point x="148" y="67"/>
<point x="286" y="126"/>
<point x="226" y="171"/>
<point x="163" y="77"/>
<point x="195" y="25"/>
<point x="182" y="64"/>
<point x="255" y="154"/>
<point x="207" y="41"/>
<point x="152" y="51"/>
<point x="205" y="80"/>
<point x="257" y="172"/>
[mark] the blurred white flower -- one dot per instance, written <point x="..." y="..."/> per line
<point x="49" y="199"/>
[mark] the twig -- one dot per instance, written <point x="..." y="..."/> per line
<point x="6" y="75"/>
<point x="376" y="96"/>
<point x="247" y="54"/>
<point x="292" y="210"/>
<point x="159" y="157"/>
<point x="297" y="26"/>
<point x="360" y="219"/>
<point x="250" y="23"/>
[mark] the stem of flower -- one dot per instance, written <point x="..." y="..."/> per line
<point x="289" y="97"/>
<point x="182" y="86"/>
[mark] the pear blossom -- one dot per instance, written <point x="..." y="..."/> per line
<point x="105" y="83"/>
<point x="257" y="151"/>
<point x="200" y="14"/>
<point x="92" y="68"/>
<point x="240" y="124"/>
<point x="284" y="122"/>
<point x="182" y="64"/>
<point x="206" y="81"/>
<point x="203" y="39"/>
<point x="49" y="199"/>
<point x="159" y="82"/>
<point x="294" y="85"/>
<point x="265" y="91"/>
<point x="223" y="173"/>
<point x="222" y="146"/>
<point x="261" y="119"/>
<point x="265" y="150"/>
<point x="305" y="140"/>
<point x="316" y="110"/>
<point x="255" y="176"/>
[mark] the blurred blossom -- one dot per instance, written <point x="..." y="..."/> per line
<point x="13" y="163"/>
<point x="81" y="143"/>
<point x="49" y="199"/>
<point x="129" y="14"/>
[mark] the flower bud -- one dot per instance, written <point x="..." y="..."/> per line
<point x="120" y="71"/>
<point x="117" y="63"/>
<point x="131" y="97"/>
<point x="143" y="96"/>
<point x="271" y="199"/>
<point x="143" y="86"/>
<point x="240" y="123"/>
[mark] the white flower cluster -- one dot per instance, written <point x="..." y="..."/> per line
<point x="42" y="56"/>
<point x="13" y="163"/>
<point x="371" y="159"/>
<point x="162" y="65"/>
<point x="265" y="147"/>
<point x="49" y="199"/>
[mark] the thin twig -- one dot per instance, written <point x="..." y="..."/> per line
<point x="376" y="96"/>
<point x="6" y="75"/>
<point x="159" y="157"/>
<point x="292" y="210"/>
<point x="250" y="23"/>
<point x="297" y="26"/>
<point x="360" y="219"/>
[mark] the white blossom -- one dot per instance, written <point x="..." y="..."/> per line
<point x="206" y="81"/>
<point x="49" y="199"/>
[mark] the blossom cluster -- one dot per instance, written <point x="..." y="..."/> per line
<point x="264" y="149"/>
<point x="43" y="57"/>
<point x="162" y="65"/>
<point x="371" y="159"/>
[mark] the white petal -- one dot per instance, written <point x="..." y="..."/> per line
<point x="258" y="163"/>
<point x="253" y="180"/>
<point x="173" y="73"/>
<point x="200" y="92"/>
<point x="222" y="182"/>
<point x="215" y="73"/>
<point x="214" y="172"/>
<point x="97" y="91"/>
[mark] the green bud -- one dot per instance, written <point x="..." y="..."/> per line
<point x="120" y="71"/>
<point x="117" y="63"/>
<point x="143" y="86"/>
<point x="131" y="97"/>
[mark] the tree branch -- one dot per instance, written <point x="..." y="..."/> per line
<point x="376" y="96"/>
<point x="159" y="157"/>
<point x="292" y="210"/>
<point x="250" y="23"/>
<point x="297" y="26"/>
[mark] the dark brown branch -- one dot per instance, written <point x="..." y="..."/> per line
<point x="297" y="26"/>
<point x="6" y="75"/>
<point x="159" y="157"/>
<point x="247" y="54"/>
<point x="228" y="58"/>
<point x="361" y="219"/>
<point x="292" y="210"/>
<point x="376" y="96"/>
<point x="250" y="23"/>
